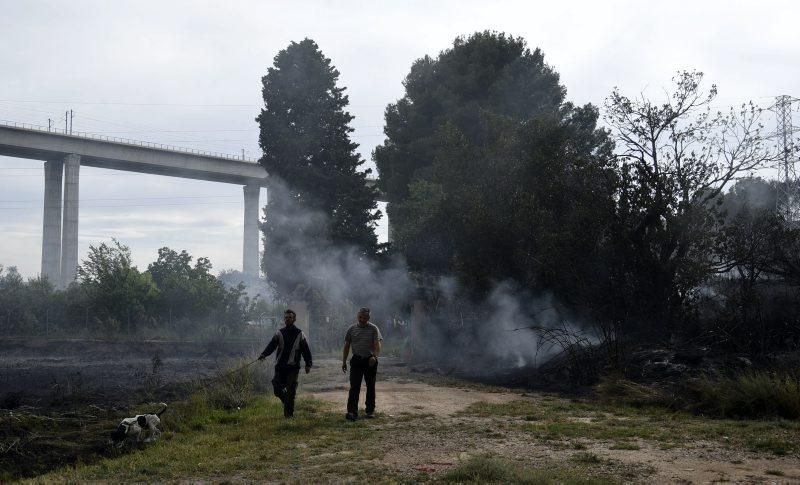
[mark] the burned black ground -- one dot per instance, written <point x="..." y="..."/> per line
<point x="61" y="399"/>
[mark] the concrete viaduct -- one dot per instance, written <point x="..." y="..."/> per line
<point x="65" y="153"/>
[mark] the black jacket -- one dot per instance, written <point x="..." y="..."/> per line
<point x="290" y="344"/>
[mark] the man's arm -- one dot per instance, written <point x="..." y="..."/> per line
<point x="376" y="347"/>
<point x="376" y="342"/>
<point x="345" y="353"/>
<point x="305" y="350"/>
<point x="271" y="346"/>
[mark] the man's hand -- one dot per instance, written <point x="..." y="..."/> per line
<point x="372" y="361"/>
<point x="344" y="367"/>
<point x="308" y="369"/>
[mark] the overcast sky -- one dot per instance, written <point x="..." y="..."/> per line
<point x="188" y="73"/>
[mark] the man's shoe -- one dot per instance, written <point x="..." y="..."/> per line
<point x="350" y="417"/>
<point x="370" y="415"/>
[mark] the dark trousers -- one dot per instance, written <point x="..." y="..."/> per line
<point x="284" y="385"/>
<point x="360" y="369"/>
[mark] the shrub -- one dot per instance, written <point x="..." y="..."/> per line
<point x="491" y="469"/>
<point x="480" y="469"/>
<point x="616" y="389"/>
<point x="233" y="388"/>
<point x="751" y="394"/>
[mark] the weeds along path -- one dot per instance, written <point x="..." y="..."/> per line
<point x="431" y="428"/>
<point x="435" y="426"/>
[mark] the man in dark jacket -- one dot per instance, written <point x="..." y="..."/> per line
<point x="290" y="344"/>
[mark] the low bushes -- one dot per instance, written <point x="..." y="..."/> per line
<point x="616" y="389"/>
<point x="234" y="387"/>
<point x="751" y="394"/>
<point x="493" y="469"/>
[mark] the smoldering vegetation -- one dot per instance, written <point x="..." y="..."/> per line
<point x="508" y="330"/>
<point x="307" y="258"/>
<point x="435" y="323"/>
<point x="431" y="320"/>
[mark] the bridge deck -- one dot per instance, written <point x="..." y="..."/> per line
<point x="25" y="141"/>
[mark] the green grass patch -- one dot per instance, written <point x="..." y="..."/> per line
<point x="253" y="443"/>
<point x="772" y="445"/>
<point x="752" y="394"/>
<point x="624" y="446"/>
<point x="491" y="469"/>
<point x="622" y="425"/>
<point x="529" y="410"/>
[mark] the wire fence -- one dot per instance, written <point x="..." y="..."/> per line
<point x="124" y="141"/>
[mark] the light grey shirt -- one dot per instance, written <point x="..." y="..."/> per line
<point x="362" y="340"/>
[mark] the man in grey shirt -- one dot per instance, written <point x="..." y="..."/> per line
<point x="365" y="340"/>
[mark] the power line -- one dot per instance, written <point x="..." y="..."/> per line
<point x="120" y="174"/>
<point x="119" y="103"/>
<point x="254" y="129"/>
<point x="23" y="108"/>
<point x="222" y="130"/>
<point x="94" y="206"/>
<point x="150" y="129"/>
<point x="134" y="198"/>
<point x="178" y="131"/>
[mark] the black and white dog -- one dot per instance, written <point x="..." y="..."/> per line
<point x="142" y="428"/>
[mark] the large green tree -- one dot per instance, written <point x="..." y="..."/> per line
<point x="186" y="290"/>
<point x="490" y="174"/>
<point x="485" y="72"/>
<point x="318" y="194"/>
<point x="118" y="292"/>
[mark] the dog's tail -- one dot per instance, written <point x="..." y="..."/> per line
<point x="162" y="410"/>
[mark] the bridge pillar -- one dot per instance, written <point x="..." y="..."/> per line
<point x="51" y="225"/>
<point x="250" y="260"/>
<point x="69" y="237"/>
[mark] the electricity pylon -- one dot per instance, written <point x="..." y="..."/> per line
<point x="788" y="203"/>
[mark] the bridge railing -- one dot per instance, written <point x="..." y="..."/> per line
<point x="125" y="141"/>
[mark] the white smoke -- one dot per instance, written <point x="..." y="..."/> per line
<point x="501" y="330"/>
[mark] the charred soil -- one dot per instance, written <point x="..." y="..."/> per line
<point x="60" y="399"/>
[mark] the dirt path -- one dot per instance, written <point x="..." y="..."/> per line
<point x="396" y="397"/>
<point x="431" y="434"/>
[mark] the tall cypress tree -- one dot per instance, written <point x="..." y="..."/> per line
<point x="318" y="197"/>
